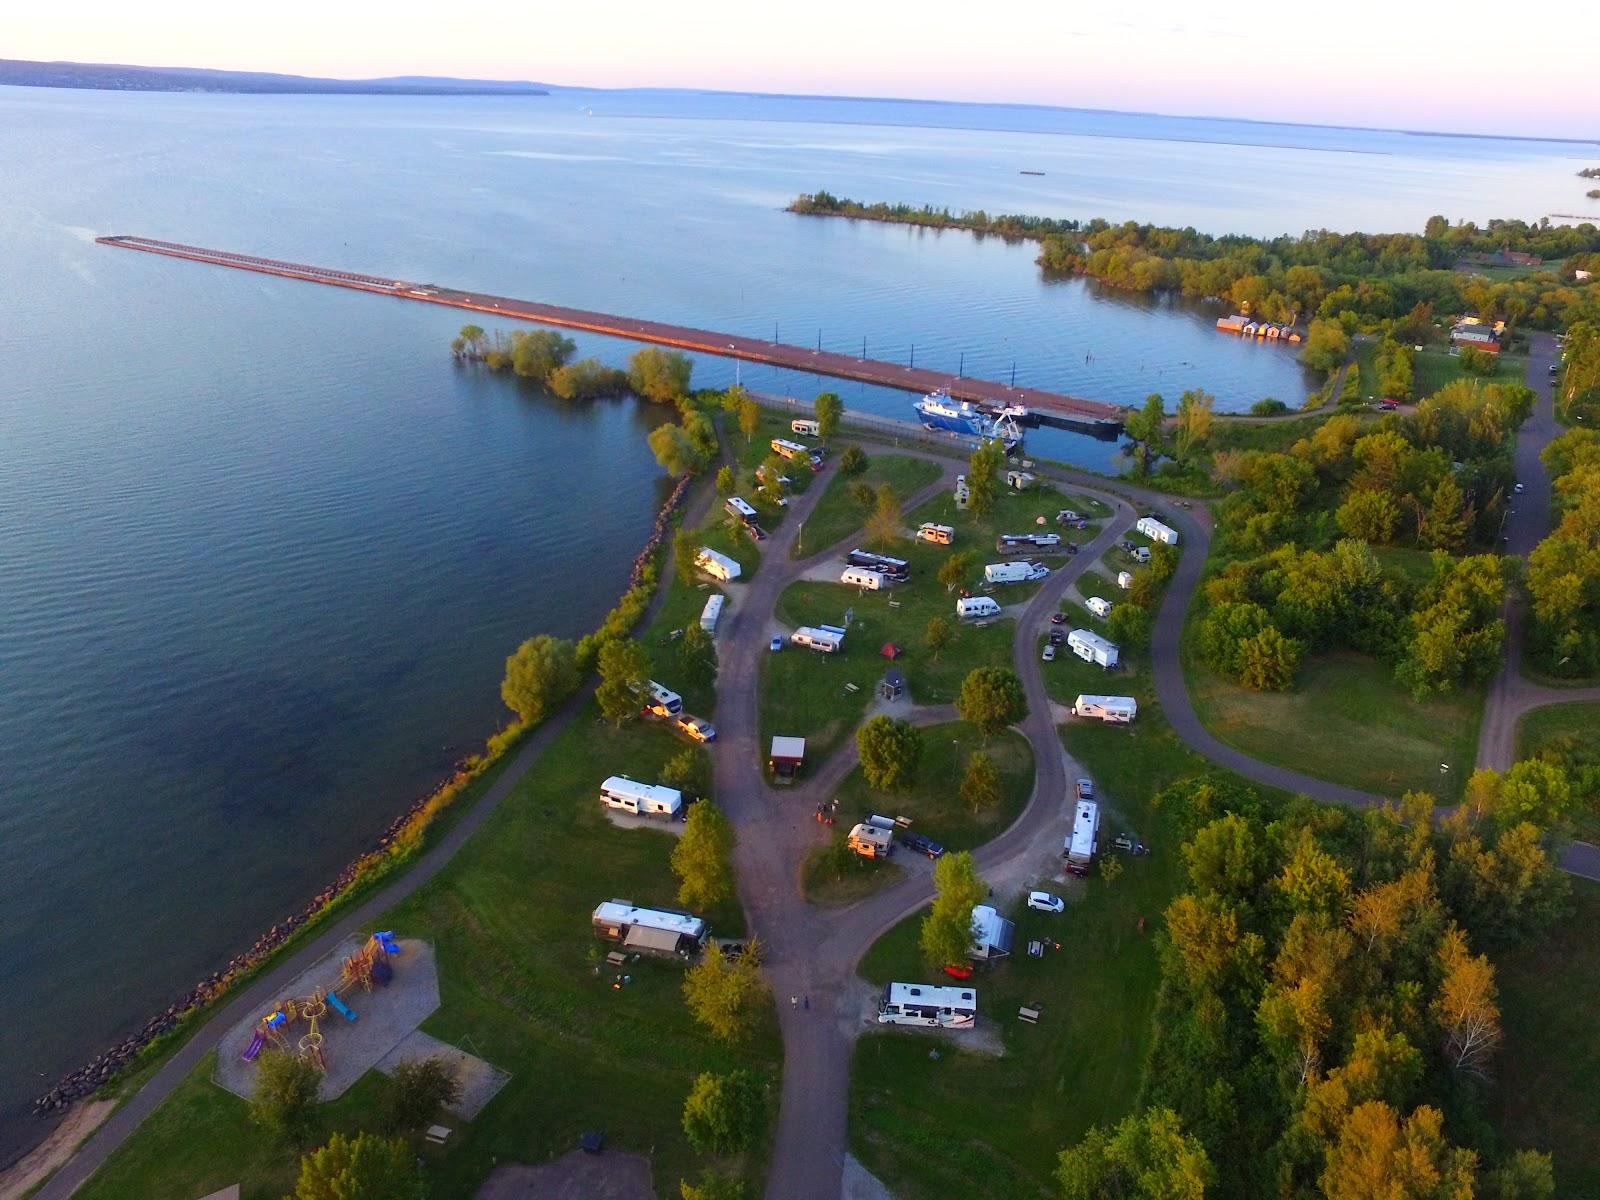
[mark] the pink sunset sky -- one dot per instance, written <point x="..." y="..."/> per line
<point x="1470" y="67"/>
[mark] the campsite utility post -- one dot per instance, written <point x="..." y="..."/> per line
<point x="800" y="540"/>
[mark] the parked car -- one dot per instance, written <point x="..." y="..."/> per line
<point x="1085" y="789"/>
<point x="918" y="844"/>
<point x="695" y="728"/>
<point x="1057" y="636"/>
<point x="1518" y="488"/>
<point x="777" y="644"/>
<point x="959" y="970"/>
<point x="1058" y="618"/>
<point x="1130" y="547"/>
<point x="1045" y="902"/>
<point x="1048" y="654"/>
<point x="1081" y="870"/>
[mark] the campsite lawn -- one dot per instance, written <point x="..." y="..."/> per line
<point x="837" y="515"/>
<point x="928" y="1126"/>
<point x="1346" y="720"/>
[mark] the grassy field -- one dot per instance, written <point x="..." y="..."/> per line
<point x="1436" y="366"/>
<point x="1569" y="734"/>
<point x="929" y="1127"/>
<point x="1545" y="1095"/>
<point x="933" y="804"/>
<point x="509" y="918"/>
<point x="837" y="515"/>
<point x="1346" y="720"/>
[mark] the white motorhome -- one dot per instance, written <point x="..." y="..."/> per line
<point x="718" y="566"/>
<point x="712" y="612"/>
<point x="871" y="841"/>
<point x="664" y="702"/>
<point x="992" y="935"/>
<point x="825" y="640"/>
<point x="871" y="581"/>
<point x="925" y="1004"/>
<point x="1111" y="709"/>
<point x="977" y="608"/>
<point x="641" y="799"/>
<point x="1099" y="606"/>
<point x="649" y="930"/>
<point x="939" y="535"/>
<point x="1084" y="841"/>
<point x="805" y="428"/>
<point x="1156" y="531"/>
<point x="1014" y="572"/>
<point x="1124" y="580"/>
<point x="739" y="508"/>
<point x="1092" y="648"/>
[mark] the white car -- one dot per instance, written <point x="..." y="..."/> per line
<point x="696" y="729"/>
<point x="1045" y="902"/>
<point x="1049" y="653"/>
<point x="1517" y="488"/>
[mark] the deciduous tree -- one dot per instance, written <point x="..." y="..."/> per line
<point x="889" y="751"/>
<point x="725" y="995"/>
<point x="724" y="1114"/>
<point x="983" y="477"/>
<point x="1143" y="429"/>
<point x="659" y="375"/>
<point x="954" y="570"/>
<point x="1465" y="1007"/>
<point x="365" y="1167"/>
<point x="415" y="1091"/>
<point x="675" y="450"/>
<point x="624" y="672"/>
<point x="937" y="636"/>
<point x="884" y="525"/>
<point x="703" y="858"/>
<point x="829" y="408"/>
<point x="697" y="657"/>
<point x="1148" y="1156"/>
<point x="990" y="699"/>
<point x="284" y="1096"/>
<point x="980" y="784"/>
<point x="540" y="675"/>
<point x="947" y="929"/>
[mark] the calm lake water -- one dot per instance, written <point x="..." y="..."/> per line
<point x="264" y="548"/>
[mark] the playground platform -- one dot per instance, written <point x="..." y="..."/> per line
<point x="386" y="1016"/>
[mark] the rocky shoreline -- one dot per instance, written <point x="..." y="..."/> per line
<point x="98" y="1071"/>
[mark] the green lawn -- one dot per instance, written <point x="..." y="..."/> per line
<point x="934" y="803"/>
<point x="836" y="515"/>
<point x="1346" y="720"/>
<point x="1436" y="366"/>
<point x="834" y="875"/>
<point x="1545" y="1095"/>
<point x="1410" y="563"/>
<point x="509" y="918"/>
<point x="1264" y="435"/>
<point x="1570" y="735"/>
<point x="973" y="1126"/>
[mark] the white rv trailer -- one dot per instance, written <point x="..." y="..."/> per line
<point x="1084" y="840"/>
<point x="824" y="640"/>
<point x="940" y="535"/>
<point x="1117" y="710"/>
<point x="712" y="612"/>
<point x="862" y="577"/>
<point x="805" y="427"/>
<point x="718" y="566"/>
<point x="1092" y="648"/>
<point x="925" y="1004"/>
<point x="649" y="930"/>
<point x="1008" y="572"/>
<point x="1124" y="580"/>
<point x="664" y="702"/>
<point x="977" y="608"/>
<point x="1156" y="531"/>
<point x="1099" y="606"/>
<point x="641" y="799"/>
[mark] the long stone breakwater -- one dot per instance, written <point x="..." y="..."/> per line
<point x="1075" y="411"/>
<point x="99" y="1070"/>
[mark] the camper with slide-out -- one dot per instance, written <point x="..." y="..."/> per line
<point x="1092" y="648"/>
<point x="1114" y="710"/>
<point x="925" y="1004"/>
<point x="1156" y="531"/>
<point x="641" y="799"/>
<point x="824" y="640"/>
<point x="718" y="566"/>
<point x="867" y="581"/>
<point x="805" y="427"/>
<point x="659" y="931"/>
<point x="712" y="612"/>
<point x="977" y="608"/>
<point x="1014" y="572"/>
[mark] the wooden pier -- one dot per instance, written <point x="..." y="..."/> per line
<point x="1070" y="411"/>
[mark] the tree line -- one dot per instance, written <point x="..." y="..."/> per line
<point x="1014" y="226"/>
<point x="1564" y="569"/>
<point x="1328" y="1018"/>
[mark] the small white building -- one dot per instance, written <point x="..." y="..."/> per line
<point x="825" y="640"/>
<point x="977" y="608"/>
<point x="718" y="566"/>
<point x="992" y="935"/>
<point x="712" y="612"/>
<point x="1114" y="710"/>
<point x="641" y="799"/>
<point x="1099" y="606"/>
<point x="1092" y="648"/>
<point x="1156" y="531"/>
<point x="1124" y="580"/>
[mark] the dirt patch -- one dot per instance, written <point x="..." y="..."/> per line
<point x="573" y="1176"/>
<point x="41" y="1162"/>
<point x="628" y="820"/>
<point x="480" y="1081"/>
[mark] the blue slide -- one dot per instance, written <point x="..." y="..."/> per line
<point x="340" y="1007"/>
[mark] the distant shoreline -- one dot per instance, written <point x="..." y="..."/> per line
<point x="114" y="77"/>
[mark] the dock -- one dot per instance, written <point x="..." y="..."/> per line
<point x="1051" y="407"/>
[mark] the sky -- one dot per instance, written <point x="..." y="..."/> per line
<point x="1471" y="66"/>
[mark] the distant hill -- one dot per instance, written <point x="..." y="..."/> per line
<point x="118" y="78"/>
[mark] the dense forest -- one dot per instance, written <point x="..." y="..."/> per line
<point x="1372" y="277"/>
<point x="1328" y="1018"/>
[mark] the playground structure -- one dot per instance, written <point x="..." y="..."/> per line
<point x="367" y="966"/>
